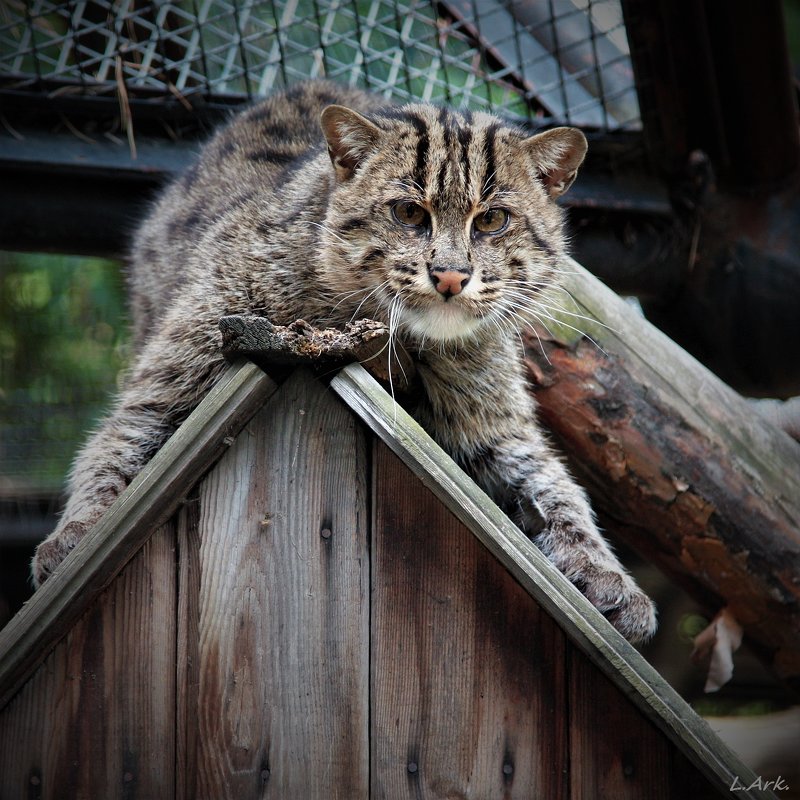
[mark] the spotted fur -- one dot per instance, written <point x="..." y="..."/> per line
<point x="326" y="204"/>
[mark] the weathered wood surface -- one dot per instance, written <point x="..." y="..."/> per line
<point x="784" y="414"/>
<point x="247" y="660"/>
<point x="572" y="612"/>
<point x="681" y="467"/>
<point x="149" y="500"/>
<point x="97" y="719"/>
<point x="187" y="637"/>
<point x="469" y="695"/>
<point x="619" y="755"/>
<point x="230" y="658"/>
<point x="275" y="611"/>
<point x="300" y="342"/>
<point x="476" y="692"/>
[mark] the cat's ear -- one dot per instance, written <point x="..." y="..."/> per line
<point x="557" y="154"/>
<point x="350" y="138"/>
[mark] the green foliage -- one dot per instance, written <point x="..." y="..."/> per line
<point x="61" y="348"/>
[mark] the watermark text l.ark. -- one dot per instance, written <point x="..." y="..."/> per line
<point x="776" y="784"/>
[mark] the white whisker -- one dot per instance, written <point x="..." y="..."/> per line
<point x="377" y="289"/>
<point x="394" y="312"/>
<point x="544" y="299"/>
<point x="541" y="314"/>
<point x="327" y="230"/>
<point x="539" y="340"/>
<point x="519" y="323"/>
<point x="558" y="309"/>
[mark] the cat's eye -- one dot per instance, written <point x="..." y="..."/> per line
<point x="410" y="214"/>
<point x="494" y="220"/>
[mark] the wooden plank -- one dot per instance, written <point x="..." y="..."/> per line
<point x="467" y="674"/>
<point x="283" y="607"/>
<point x="187" y="665"/>
<point x="613" y="753"/>
<point x="97" y="718"/>
<point x="573" y="613"/>
<point x="151" y="499"/>
<point x="619" y="754"/>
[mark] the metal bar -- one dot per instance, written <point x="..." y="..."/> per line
<point x="240" y="18"/>
<point x="277" y="54"/>
<point x="201" y="14"/>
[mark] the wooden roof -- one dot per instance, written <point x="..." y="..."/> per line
<point x="165" y="484"/>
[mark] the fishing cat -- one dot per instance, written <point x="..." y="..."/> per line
<point x="325" y="203"/>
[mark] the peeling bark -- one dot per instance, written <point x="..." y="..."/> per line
<point x="679" y="465"/>
<point x="365" y="341"/>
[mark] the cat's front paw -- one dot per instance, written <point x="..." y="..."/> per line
<point x="54" y="549"/>
<point x="620" y="601"/>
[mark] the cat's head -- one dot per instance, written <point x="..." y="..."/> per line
<point x="443" y="223"/>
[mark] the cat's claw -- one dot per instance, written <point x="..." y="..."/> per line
<point x="634" y="618"/>
<point x="620" y="601"/>
<point x="53" y="550"/>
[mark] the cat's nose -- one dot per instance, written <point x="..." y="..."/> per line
<point x="449" y="282"/>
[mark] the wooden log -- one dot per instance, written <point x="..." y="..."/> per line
<point x="366" y="341"/>
<point x="785" y="414"/>
<point x="680" y="466"/>
<point x="300" y="342"/>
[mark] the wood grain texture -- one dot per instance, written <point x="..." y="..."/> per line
<point x="97" y="719"/>
<point x="468" y="674"/>
<point x="572" y="612"/>
<point x="237" y="655"/>
<point x="681" y="466"/>
<point x="283" y="606"/>
<point x="187" y="664"/>
<point x="615" y="752"/>
<point x="150" y="500"/>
